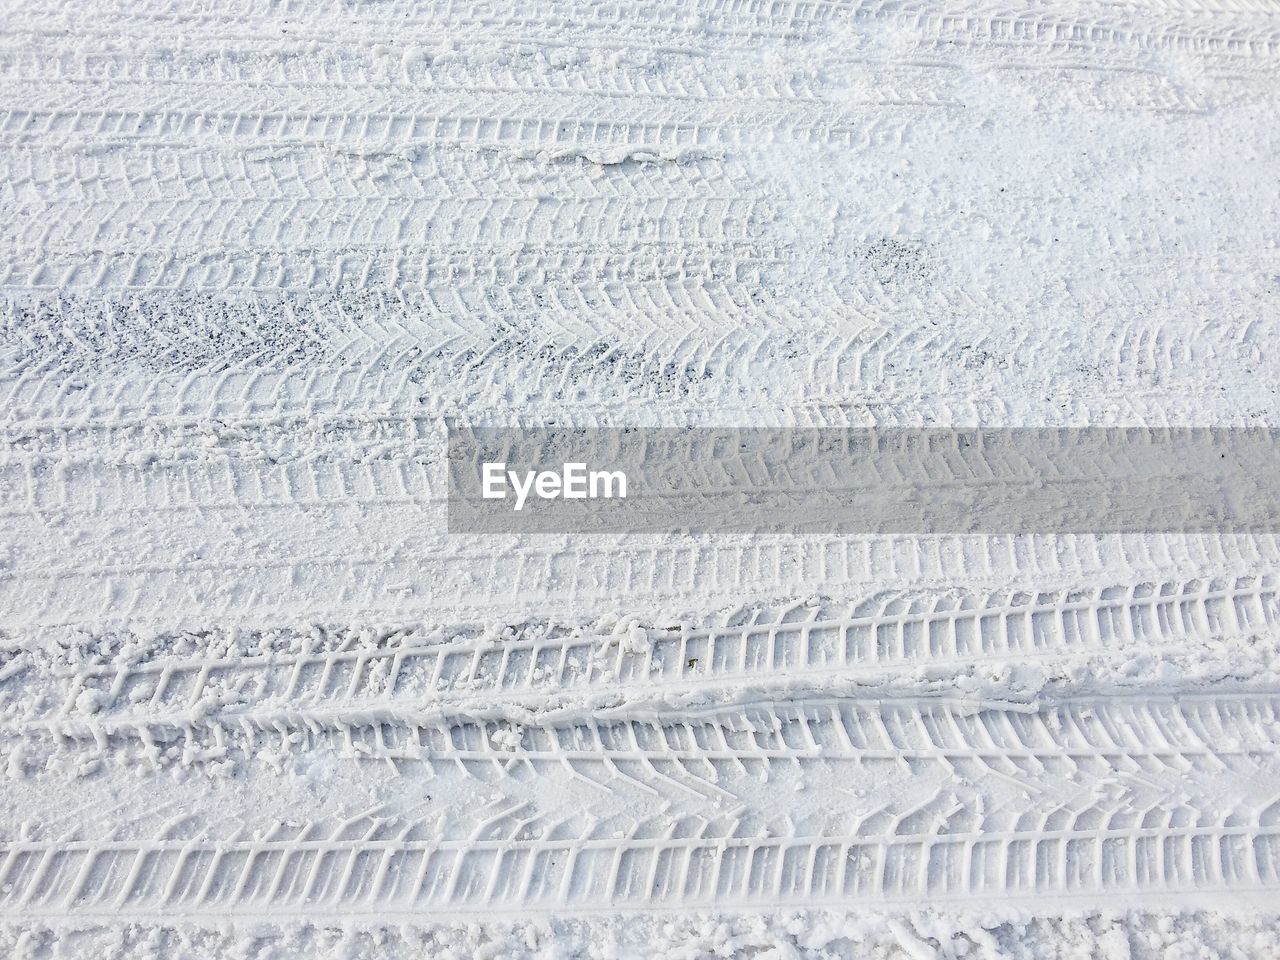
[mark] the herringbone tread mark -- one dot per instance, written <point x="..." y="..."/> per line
<point x="319" y="680"/>
<point x="1110" y="797"/>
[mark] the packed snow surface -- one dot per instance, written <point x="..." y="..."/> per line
<point x="255" y="702"/>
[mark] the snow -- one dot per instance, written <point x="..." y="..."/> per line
<point x="257" y="702"/>
<point x="794" y="935"/>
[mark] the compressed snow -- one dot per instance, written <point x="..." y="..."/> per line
<point x="256" y="702"/>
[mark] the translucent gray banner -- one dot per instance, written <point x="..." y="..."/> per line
<point x="921" y="481"/>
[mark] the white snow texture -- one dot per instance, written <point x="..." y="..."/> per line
<point x="256" y="702"/>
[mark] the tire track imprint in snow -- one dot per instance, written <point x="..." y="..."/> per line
<point x="246" y="675"/>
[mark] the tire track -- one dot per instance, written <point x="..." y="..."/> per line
<point x="1124" y="803"/>
<point x="333" y="678"/>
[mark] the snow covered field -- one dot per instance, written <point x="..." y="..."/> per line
<point x="255" y="702"/>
